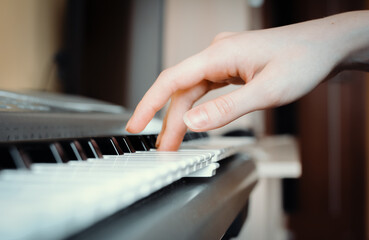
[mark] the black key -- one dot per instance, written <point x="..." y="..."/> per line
<point x="91" y="150"/>
<point x="70" y="151"/>
<point x="195" y="135"/>
<point x="187" y="137"/>
<point x="204" y="134"/>
<point x="12" y="158"/>
<point x="125" y="144"/>
<point x="40" y="153"/>
<point x="97" y="152"/>
<point x="108" y="147"/>
<point x="144" y="143"/>
<point x="77" y="148"/>
<point x="116" y="145"/>
<point x="138" y="143"/>
<point x="58" y="153"/>
<point x="20" y="159"/>
<point x="6" y="160"/>
<point x="150" y="140"/>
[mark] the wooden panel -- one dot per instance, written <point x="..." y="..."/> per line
<point x="367" y="152"/>
<point x="93" y="58"/>
<point x="332" y="190"/>
<point x="30" y="35"/>
<point x="105" y="50"/>
<point x="367" y="159"/>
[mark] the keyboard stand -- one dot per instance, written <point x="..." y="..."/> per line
<point x="191" y="208"/>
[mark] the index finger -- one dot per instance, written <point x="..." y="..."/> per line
<point x="215" y="63"/>
<point x="182" y="76"/>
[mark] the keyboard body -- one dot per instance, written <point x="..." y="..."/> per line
<point x="64" y="170"/>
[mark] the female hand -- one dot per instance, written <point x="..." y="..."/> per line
<point x="275" y="67"/>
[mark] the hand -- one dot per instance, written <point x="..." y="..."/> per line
<point x="274" y="66"/>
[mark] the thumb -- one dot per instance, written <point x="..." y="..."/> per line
<point x="220" y="111"/>
<point x="268" y="89"/>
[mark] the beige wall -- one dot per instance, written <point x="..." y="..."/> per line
<point x="29" y="37"/>
<point x="191" y="25"/>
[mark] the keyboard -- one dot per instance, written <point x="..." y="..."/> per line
<point x="64" y="169"/>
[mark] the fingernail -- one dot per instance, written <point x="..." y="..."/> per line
<point x="196" y="119"/>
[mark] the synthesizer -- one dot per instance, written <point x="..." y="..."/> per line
<point x="67" y="164"/>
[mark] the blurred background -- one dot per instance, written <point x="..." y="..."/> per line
<point x="114" y="50"/>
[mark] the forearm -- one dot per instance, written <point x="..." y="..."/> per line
<point x="351" y="31"/>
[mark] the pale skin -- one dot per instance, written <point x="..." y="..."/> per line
<point x="275" y="67"/>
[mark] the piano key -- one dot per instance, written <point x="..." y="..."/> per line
<point x="95" y="148"/>
<point x="184" y="164"/>
<point x="20" y="159"/>
<point x="197" y="161"/>
<point x="150" y="140"/>
<point x="199" y="154"/>
<point x="73" y="174"/>
<point x="114" y="141"/>
<point x="40" y="152"/>
<point x="142" y="169"/>
<point x="108" y="146"/>
<point x="222" y="146"/>
<point x="58" y="152"/>
<point x="70" y="150"/>
<point x="138" y="188"/>
<point x="124" y="144"/>
<point x="57" y="209"/>
<point x="208" y="171"/>
<point x="8" y="160"/>
<point x="181" y="162"/>
<point x="78" y="150"/>
<point x="145" y="192"/>
<point x="89" y="148"/>
<point x="108" y="182"/>
<point x="138" y="143"/>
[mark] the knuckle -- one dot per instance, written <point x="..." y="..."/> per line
<point x="153" y="107"/>
<point x="163" y="76"/>
<point x="221" y="35"/>
<point x="167" y="82"/>
<point x="224" y="105"/>
<point x="272" y="95"/>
